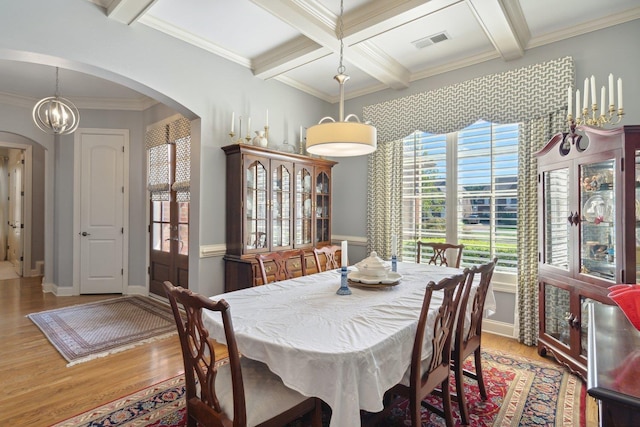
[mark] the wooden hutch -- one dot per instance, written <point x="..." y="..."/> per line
<point x="589" y="232"/>
<point x="275" y="201"/>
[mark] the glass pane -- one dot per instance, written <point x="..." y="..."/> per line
<point x="166" y="211"/>
<point x="183" y="215"/>
<point x="556" y="226"/>
<point x="256" y="206"/>
<point x="556" y="310"/>
<point x="183" y="239"/>
<point x="156" y="208"/>
<point x="424" y="177"/>
<point x="166" y="237"/>
<point x="303" y="208"/>
<point x="156" y="236"/>
<point x="280" y="206"/>
<point x="598" y="257"/>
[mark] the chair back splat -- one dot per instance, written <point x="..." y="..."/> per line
<point x="331" y="256"/>
<point x="438" y="253"/>
<point x="276" y="266"/>
<point x="244" y="389"/>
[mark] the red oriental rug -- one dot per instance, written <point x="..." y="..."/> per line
<point x="521" y="392"/>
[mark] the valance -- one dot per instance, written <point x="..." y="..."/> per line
<point x="510" y="97"/>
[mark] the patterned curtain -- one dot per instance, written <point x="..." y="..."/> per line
<point x="533" y="135"/>
<point x="157" y="141"/>
<point x="534" y="96"/>
<point x="384" y="198"/>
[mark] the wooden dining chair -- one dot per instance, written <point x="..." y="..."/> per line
<point x="438" y="253"/>
<point x="330" y="253"/>
<point x="468" y="335"/>
<point x="281" y="265"/>
<point x="429" y="372"/>
<point x="240" y="393"/>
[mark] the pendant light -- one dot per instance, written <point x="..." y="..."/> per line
<point x="341" y="138"/>
<point x="56" y="115"/>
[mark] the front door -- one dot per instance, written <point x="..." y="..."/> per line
<point x="102" y="193"/>
<point x="16" y="196"/>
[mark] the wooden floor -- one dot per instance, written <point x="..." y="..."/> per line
<point x="39" y="390"/>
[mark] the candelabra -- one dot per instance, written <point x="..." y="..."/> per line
<point x="612" y="117"/>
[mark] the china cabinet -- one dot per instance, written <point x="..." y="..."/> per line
<point x="589" y="192"/>
<point x="275" y="201"/>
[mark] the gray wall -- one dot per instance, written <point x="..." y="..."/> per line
<point x="602" y="52"/>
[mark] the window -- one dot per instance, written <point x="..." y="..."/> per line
<point x="462" y="187"/>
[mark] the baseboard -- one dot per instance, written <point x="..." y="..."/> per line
<point x="137" y="290"/>
<point x="59" y="291"/>
<point x="499" y="328"/>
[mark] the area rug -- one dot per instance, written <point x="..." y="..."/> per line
<point x="521" y="393"/>
<point x="88" y="331"/>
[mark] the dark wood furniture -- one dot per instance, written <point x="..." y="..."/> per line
<point x="423" y="377"/>
<point x="275" y="201"/>
<point x="240" y="393"/>
<point x="468" y="338"/>
<point x="437" y="253"/>
<point x="588" y="192"/>
<point x="276" y="266"/>
<point x="614" y="366"/>
<point x="331" y="256"/>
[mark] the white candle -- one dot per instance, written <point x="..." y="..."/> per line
<point x="578" y="103"/>
<point x="301" y="139"/>
<point x="344" y="253"/>
<point x="570" y="101"/>
<point x="585" y="94"/>
<point x="594" y="98"/>
<point x="602" y="93"/>
<point x="394" y="245"/>
<point x="619" y="93"/>
<point x="611" y="89"/>
<point x="233" y="119"/>
<point x="267" y="119"/>
<point x="249" y="126"/>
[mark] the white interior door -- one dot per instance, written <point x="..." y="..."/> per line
<point x="101" y="213"/>
<point x="16" y="195"/>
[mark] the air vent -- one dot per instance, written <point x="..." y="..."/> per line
<point x="428" y="41"/>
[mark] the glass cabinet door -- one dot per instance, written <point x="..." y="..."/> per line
<point x="597" y="231"/>
<point x="255" y="208"/>
<point x="280" y="206"/>
<point x="556" y="226"/>
<point x="557" y="310"/>
<point x="323" y="207"/>
<point x="304" y="208"/>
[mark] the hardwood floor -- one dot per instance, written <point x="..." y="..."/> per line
<point x="39" y="390"/>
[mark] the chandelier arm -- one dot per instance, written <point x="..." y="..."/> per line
<point x="352" y="115"/>
<point x="327" y="118"/>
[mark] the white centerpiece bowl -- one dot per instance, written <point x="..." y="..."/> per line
<point x="373" y="267"/>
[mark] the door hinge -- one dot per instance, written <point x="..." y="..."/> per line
<point x="123" y="189"/>
<point x="22" y="193"/>
<point x="122" y="230"/>
<point x="21" y="225"/>
<point x="149" y="270"/>
<point x="22" y="161"/>
<point x="622" y="164"/>
<point x="149" y="228"/>
<point x="123" y="148"/>
<point x="21" y="259"/>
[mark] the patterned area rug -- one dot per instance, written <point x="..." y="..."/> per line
<point x="521" y="393"/>
<point x="88" y="331"/>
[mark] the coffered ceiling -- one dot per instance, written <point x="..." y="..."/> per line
<point x="387" y="43"/>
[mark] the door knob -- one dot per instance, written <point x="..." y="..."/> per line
<point x="84" y="233"/>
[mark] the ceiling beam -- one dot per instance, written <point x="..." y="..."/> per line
<point x="290" y="55"/>
<point x="497" y="25"/>
<point x="128" y="11"/>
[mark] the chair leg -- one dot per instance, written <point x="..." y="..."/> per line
<point x="446" y="403"/>
<point x="316" y="418"/>
<point x="478" y="359"/>
<point x="460" y="396"/>
<point x="416" y="411"/>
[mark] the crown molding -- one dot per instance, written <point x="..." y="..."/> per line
<point x="122" y="104"/>
<point x="587" y="27"/>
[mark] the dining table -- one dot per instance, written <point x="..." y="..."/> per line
<point x="347" y="350"/>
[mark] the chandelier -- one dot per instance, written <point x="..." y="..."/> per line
<point x="341" y="138"/>
<point x="56" y="115"/>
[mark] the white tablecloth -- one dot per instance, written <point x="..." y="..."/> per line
<point x="345" y="349"/>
